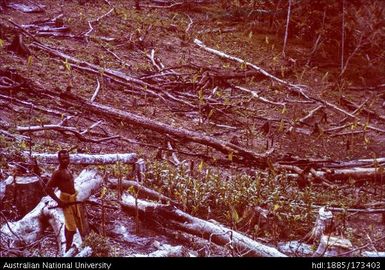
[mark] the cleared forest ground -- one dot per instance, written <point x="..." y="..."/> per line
<point x="224" y="122"/>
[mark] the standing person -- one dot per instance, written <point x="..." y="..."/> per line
<point x="62" y="179"/>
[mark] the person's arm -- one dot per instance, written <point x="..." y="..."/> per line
<point x="51" y="185"/>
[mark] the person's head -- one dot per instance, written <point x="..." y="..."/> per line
<point x="64" y="158"/>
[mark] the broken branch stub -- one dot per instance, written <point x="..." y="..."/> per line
<point x="323" y="223"/>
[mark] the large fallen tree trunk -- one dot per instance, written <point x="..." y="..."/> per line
<point x="88" y="159"/>
<point x="31" y="227"/>
<point x="322" y="163"/>
<point x="26" y="230"/>
<point x="356" y="173"/>
<point x="225" y="147"/>
<point x="359" y="174"/>
<point x="95" y="159"/>
<point x="217" y="233"/>
<point x="165" y="250"/>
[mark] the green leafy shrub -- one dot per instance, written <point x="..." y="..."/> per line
<point x="99" y="244"/>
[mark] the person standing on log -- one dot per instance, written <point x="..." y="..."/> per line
<point x="64" y="181"/>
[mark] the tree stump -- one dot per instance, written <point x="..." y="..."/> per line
<point x="19" y="47"/>
<point x="28" y="192"/>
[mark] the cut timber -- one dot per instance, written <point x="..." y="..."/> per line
<point x="85" y="252"/>
<point x="254" y="94"/>
<point x="293" y="87"/>
<point x="14" y="137"/>
<point x="88" y="159"/>
<point x="30" y="105"/>
<point x="359" y="173"/>
<point x="325" y="163"/>
<point x="217" y="233"/>
<point x="29" y="191"/>
<point x="202" y="247"/>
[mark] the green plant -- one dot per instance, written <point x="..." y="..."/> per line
<point x="227" y="197"/>
<point x="100" y="245"/>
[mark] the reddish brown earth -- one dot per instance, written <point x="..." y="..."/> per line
<point x="164" y="30"/>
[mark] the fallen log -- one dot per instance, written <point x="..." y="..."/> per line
<point x="294" y="87"/>
<point x="165" y="250"/>
<point x="28" y="229"/>
<point x="13" y="137"/>
<point x="328" y="175"/>
<point x="59" y="127"/>
<point x="201" y="246"/>
<point x="332" y="246"/>
<point x="85" y="252"/>
<point x="374" y="254"/>
<point x="170" y="216"/>
<point x="142" y="191"/>
<point x="88" y="159"/>
<point x="3" y="186"/>
<point x="296" y="248"/>
<point x="227" y="148"/>
<point x="111" y="72"/>
<point x="355" y="173"/>
<point x="254" y="94"/>
<point x="184" y="134"/>
<point x="30" y="105"/>
<point x="333" y="164"/>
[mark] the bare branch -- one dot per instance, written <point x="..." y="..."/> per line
<point x="295" y="88"/>
<point x="96" y="90"/>
<point x="287" y="28"/>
